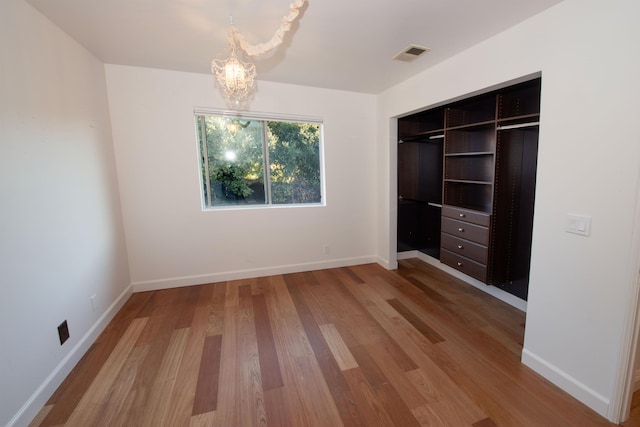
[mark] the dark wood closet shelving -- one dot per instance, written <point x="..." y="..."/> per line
<point x="472" y="125"/>
<point x="524" y="119"/>
<point x="420" y="181"/>
<point x="483" y="165"/>
<point x="423" y="136"/>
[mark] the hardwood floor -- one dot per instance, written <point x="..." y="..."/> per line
<point x="634" y="416"/>
<point x="357" y="346"/>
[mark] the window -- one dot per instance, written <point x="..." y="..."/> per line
<point x="249" y="161"/>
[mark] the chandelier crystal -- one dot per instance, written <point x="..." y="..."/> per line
<point x="235" y="76"/>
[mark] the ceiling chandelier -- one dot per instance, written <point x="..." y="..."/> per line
<point x="235" y="73"/>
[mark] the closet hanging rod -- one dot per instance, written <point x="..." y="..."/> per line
<point x="521" y="125"/>
<point x="436" y="136"/>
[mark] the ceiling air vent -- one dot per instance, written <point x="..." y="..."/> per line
<point x="411" y="53"/>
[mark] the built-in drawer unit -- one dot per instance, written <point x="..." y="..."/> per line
<point x="465" y="265"/>
<point x="465" y="240"/>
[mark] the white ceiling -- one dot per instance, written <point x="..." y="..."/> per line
<point x="337" y="44"/>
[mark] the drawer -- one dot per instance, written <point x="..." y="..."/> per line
<point x="475" y="217"/>
<point x="465" y="248"/>
<point x="465" y="265"/>
<point x="465" y="230"/>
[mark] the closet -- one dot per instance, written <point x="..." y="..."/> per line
<point x="420" y="182"/>
<point x="466" y="184"/>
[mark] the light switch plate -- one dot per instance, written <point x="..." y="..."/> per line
<point x="578" y="224"/>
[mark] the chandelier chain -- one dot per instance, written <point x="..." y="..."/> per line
<point x="276" y="40"/>
<point x="235" y="74"/>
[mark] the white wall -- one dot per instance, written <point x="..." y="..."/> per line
<point x="61" y="235"/>
<point x="62" y="238"/>
<point x="589" y="161"/>
<point x="172" y="242"/>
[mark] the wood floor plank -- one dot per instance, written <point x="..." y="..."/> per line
<point x="395" y="375"/>
<point x="203" y="420"/>
<point x="206" y="396"/>
<point x="134" y="410"/>
<point x="252" y="411"/>
<point x="422" y="327"/>
<point x="426" y="419"/>
<point x="308" y="282"/>
<point x="277" y="408"/>
<point x="370" y="322"/>
<point x="343" y="396"/>
<point x="328" y="385"/>
<point x="286" y="329"/>
<point x="489" y="355"/>
<point x="634" y="416"/>
<point x="85" y="372"/>
<point x="216" y="315"/>
<point x="469" y="299"/>
<point x="310" y="278"/>
<point x="515" y="346"/>
<point x="159" y="398"/>
<point x="184" y="392"/>
<point x="228" y="407"/>
<point x="191" y="302"/>
<point x="324" y="411"/>
<point x="388" y="396"/>
<point x="464" y="377"/>
<point x="353" y="346"/>
<point x="446" y="405"/>
<point x="165" y="316"/>
<point x="67" y="396"/>
<point x="90" y="404"/>
<point x="42" y="414"/>
<point x="452" y="327"/>
<point x="441" y="393"/>
<point x="364" y="403"/>
<point x="338" y="348"/>
<point x="113" y="404"/>
<point x="353" y="275"/>
<point x="328" y="363"/>
<point x="487" y="367"/>
<point x="257" y="286"/>
<point x="349" y="317"/>
<point x="487" y="422"/>
<point x="269" y="364"/>
<point x="164" y="307"/>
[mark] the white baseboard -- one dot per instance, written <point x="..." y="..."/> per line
<point x="566" y="382"/>
<point x="177" y="282"/>
<point x="407" y="255"/>
<point x="498" y="293"/>
<point x="39" y="398"/>
<point x="386" y="263"/>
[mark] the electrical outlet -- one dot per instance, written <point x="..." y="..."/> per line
<point x="326" y="249"/>
<point x="63" y="332"/>
<point x="93" y="302"/>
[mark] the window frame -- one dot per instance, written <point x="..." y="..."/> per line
<point x="263" y="117"/>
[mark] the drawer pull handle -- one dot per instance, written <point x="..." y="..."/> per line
<point x="461" y="229"/>
<point x="460" y="247"/>
<point x="459" y="264"/>
<point x="462" y="215"/>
